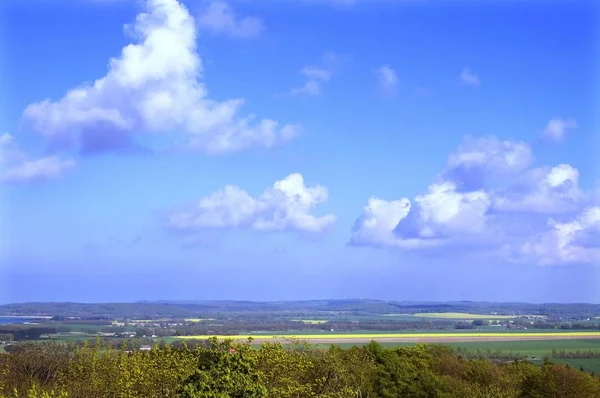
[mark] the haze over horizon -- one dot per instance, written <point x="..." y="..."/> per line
<point x="206" y="150"/>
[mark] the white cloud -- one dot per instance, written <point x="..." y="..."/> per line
<point x="9" y="151"/>
<point x="445" y="212"/>
<point x="16" y="167"/>
<point x="577" y="241"/>
<point x="47" y="168"/>
<point x="285" y="206"/>
<point x="479" y="159"/>
<point x="317" y="76"/>
<point x="437" y="216"/>
<point x="376" y="225"/>
<point x="469" y="78"/>
<point x="557" y="128"/>
<point x="548" y="190"/>
<point x="154" y="86"/>
<point x="491" y="155"/>
<point x="489" y="197"/>
<point x="220" y="19"/>
<point x="387" y="80"/>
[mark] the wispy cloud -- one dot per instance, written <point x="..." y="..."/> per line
<point x="387" y="80"/>
<point x="557" y="128"/>
<point x="17" y="167"/>
<point x="469" y="78"/>
<point x="317" y="76"/>
<point x="219" y="18"/>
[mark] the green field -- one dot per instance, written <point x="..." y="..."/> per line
<point x="588" y="364"/>
<point x="73" y="336"/>
<point x="78" y="326"/>
<point x="148" y="320"/>
<point x="531" y="348"/>
<point x="538" y="349"/>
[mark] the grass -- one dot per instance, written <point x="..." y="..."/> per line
<point x="588" y="364"/>
<point x="70" y="337"/>
<point x="462" y="315"/>
<point x="79" y="326"/>
<point x="531" y="348"/>
<point x="400" y="335"/>
<point x="148" y="320"/>
<point x="400" y="317"/>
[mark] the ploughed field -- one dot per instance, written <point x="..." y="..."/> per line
<point x="357" y="338"/>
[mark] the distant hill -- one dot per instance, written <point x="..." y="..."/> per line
<point x="153" y="309"/>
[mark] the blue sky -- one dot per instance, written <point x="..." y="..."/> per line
<point x="404" y="150"/>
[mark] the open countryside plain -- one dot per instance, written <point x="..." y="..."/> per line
<point x="410" y="337"/>
<point x="467" y="316"/>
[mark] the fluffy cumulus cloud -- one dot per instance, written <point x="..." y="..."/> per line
<point x="490" y="196"/>
<point x="154" y="86"/>
<point x="387" y="80"/>
<point x="548" y="190"/>
<point x="219" y="18"/>
<point x="17" y="167"/>
<point x="575" y="241"/>
<point x="557" y="129"/>
<point x="478" y="159"/>
<point x="286" y="206"/>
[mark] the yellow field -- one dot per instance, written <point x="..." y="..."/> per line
<point x="310" y="321"/>
<point x="402" y="335"/>
<point x="462" y="315"/>
<point x="198" y="319"/>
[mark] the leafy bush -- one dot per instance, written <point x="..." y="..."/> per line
<point x="220" y="369"/>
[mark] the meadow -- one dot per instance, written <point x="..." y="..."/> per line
<point x="591" y="365"/>
<point x="463" y="316"/>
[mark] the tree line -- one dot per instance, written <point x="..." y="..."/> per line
<point x="19" y="332"/>
<point x="575" y="354"/>
<point x="220" y="369"/>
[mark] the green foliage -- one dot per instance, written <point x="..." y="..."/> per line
<point x="226" y="369"/>
<point x="6" y="337"/>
